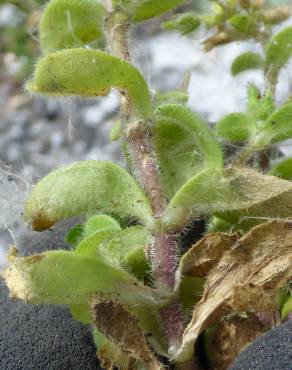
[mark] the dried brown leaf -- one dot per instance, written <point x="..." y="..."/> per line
<point x="205" y="254"/>
<point x="244" y="279"/>
<point x="232" y="336"/>
<point x="122" y="328"/>
<point x="111" y="357"/>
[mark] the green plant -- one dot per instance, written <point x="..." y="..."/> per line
<point x="126" y="273"/>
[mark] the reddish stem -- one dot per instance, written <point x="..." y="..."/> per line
<point x="139" y="143"/>
<point x="164" y="254"/>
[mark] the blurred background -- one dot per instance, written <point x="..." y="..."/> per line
<point x="38" y="135"/>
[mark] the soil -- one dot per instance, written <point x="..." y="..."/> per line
<point x="43" y="337"/>
<point x="272" y="351"/>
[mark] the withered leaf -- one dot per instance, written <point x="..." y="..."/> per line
<point x="122" y="328"/>
<point x="232" y="336"/>
<point x="244" y="279"/>
<point x="205" y="254"/>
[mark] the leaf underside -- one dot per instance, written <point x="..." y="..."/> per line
<point x="83" y="188"/>
<point x="89" y="73"/>
<point x="232" y="193"/>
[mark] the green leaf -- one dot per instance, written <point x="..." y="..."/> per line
<point x="61" y="277"/>
<point x="81" y="312"/>
<point x="242" y="23"/>
<point x="89" y="245"/>
<point x="260" y="107"/>
<point x="245" y="62"/>
<point x="283" y="169"/>
<point x="127" y="248"/>
<point x="231" y="194"/>
<point x="190" y="292"/>
<point x="120" y="248"/>
<point x="277" y="128"/>
<point x="279" y="50"/>
<point x="185" y="23"/>
<point x="89" y="73"/>
<point x="86" y="187"/>
<point x="146" y="9"/>
<point x="217" y="224"/>
<point x="67" y="24"/>
<point x="236" y="127"/>
<point x="287" y="308"/>
<point x="99" y="223"/>
<point x="184" y="145"/>
<point x="74" y="235"/>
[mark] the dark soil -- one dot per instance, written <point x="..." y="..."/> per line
<point x="272" y="351"/>
<point x="43" y="337"/>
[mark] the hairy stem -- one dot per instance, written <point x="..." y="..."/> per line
<point x="137" y="136"/>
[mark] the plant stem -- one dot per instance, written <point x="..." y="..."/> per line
<point x="137" y="134"/>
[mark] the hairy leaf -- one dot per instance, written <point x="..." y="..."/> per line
<point x="85" y="187"/>
<point x="184" y="145"/>
<point x="100" y="223"/>
<point x="279" y="50"/>
<point x="236" y="127"/>
<point x="260" y="107"/>
<point x="61" y="277"/>
<point x="145" y="9"/>
<point x="245" y="62"/>
<point x="89" y="73"/>
<point x="124" y="248"/>
<point x="122" y="328"/>
<point x="89" y="245"/>
<point x="185" y="23"/>
<point x="283" y="169"/>
<point x="244" y="279"/>
<point x="231" y="193"/>
<point x="67" y="24"/>
<point x="127" y="249"/>
<point x="278" y="127"/>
